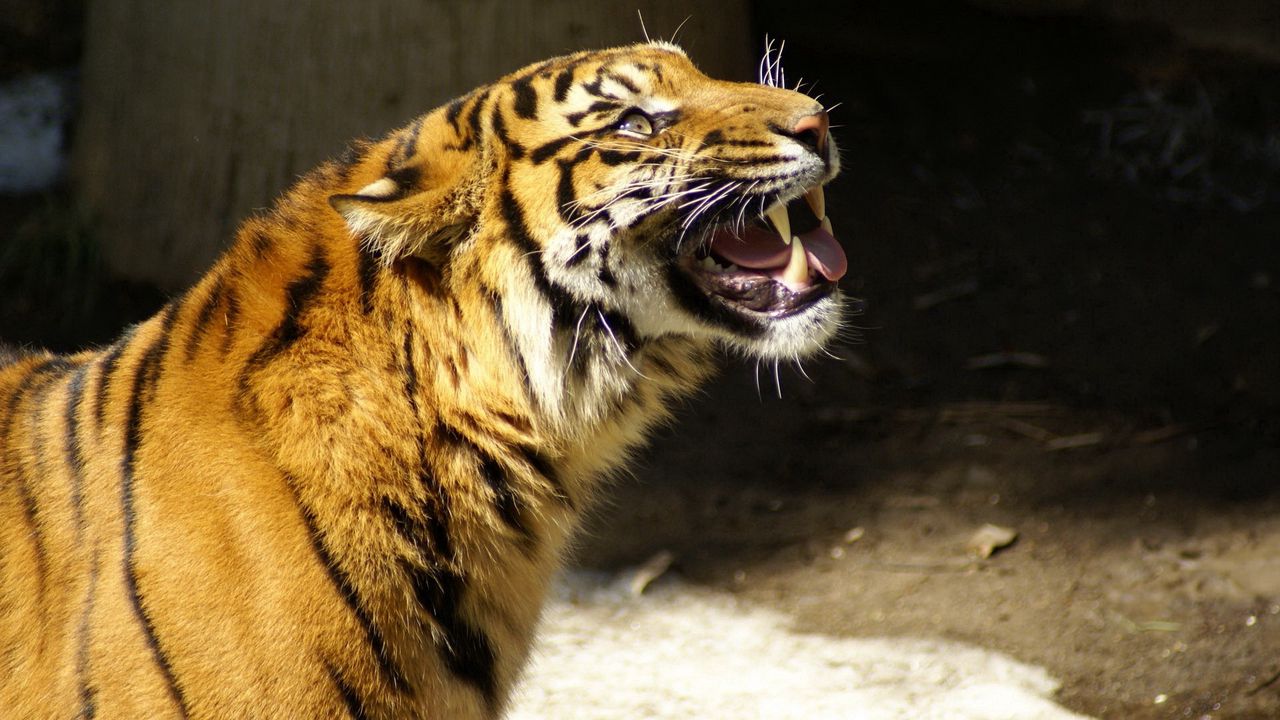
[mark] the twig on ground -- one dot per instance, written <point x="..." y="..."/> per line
<point x="968" y="286"/>
<point x="1159" y="435"/>
<point x="1006" y="359"/>
<point x="648" y="571"/>
<point x="1025" y="429"/>
<point x="1071" y="442"/>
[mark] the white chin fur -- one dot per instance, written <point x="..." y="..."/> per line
<point x="798" y="336"/>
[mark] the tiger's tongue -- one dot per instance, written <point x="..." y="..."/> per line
<point x="761" y="248"/>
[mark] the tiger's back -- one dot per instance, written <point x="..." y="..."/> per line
<point x="335" y="477"/>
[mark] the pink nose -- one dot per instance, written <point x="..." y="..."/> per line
<point x="816" y="127"/>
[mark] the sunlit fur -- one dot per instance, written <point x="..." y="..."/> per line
<point x="335" y="477"/>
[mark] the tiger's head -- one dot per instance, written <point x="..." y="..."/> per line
<point x="623" y="183"/>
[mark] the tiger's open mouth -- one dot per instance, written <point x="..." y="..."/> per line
<point x="774" y="269"/>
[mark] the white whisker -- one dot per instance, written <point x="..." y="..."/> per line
<point x="577" y="332"/>
<point x="621" y="352"/>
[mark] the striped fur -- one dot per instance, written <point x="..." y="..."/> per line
<point x="334" y="478"/>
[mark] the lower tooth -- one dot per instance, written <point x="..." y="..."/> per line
<point x="797" y="272"/>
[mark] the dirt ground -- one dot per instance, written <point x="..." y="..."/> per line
<point x="1064" y="237"/>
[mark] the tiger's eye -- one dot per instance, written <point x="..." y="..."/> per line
<point x="637" y="123"/>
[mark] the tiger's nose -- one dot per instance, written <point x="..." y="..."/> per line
<point x="812" y="131"/>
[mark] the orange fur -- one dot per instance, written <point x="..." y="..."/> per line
<point x="335" y="478"/>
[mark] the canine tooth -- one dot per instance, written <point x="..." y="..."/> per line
<point x="826" y="225"/>
<point x="781" y="221"/>
<point x="797" y="272"/>
<point x="731" y="268"/>
<point x="817" y="202"/>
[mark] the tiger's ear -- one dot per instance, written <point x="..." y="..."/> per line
<point x="417" y="209"/>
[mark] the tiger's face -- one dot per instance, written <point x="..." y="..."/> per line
<point x="636" y="184"/>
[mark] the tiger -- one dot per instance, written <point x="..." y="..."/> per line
<point x="336" y="477"/>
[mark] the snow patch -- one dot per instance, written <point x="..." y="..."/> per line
<point x="681" y="652"/>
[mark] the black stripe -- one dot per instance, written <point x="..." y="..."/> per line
<point x="758" y="160"/>
<point x="406" y="179"/>
<point x="596" y="107"/>
<point x="562" y="303"/>
<point x="563" y="81"/>
<point x="452" y="112"/>
<point x="712" y="138"/>
<point x="410" y="373"/>
<point x="716" y="138"/>
<point x="405" y="147"/>
<point x="544" y="151"/>
<point x="156" y="355"/>
<point x="594" y="87"/>
<point x="144" y="380"/>
<point x="526" y="99"/>
<point x="74" y="450"/>
<point x="88" y="693"/>
<point x="40" y="395"/>
<point x="473" y="115"/>
<point x="368" y="268"/>
<point x="517" y="423"/>
<point x="604" y="273"/>
<point x="103" y="392"/>
<point x="342" y="583"/>
<point x="470" y="105"/>
<point x="580" y="245"/>
<point x="352" y="701"/>
<point x="541" y="465"/>
<point x="467" y="650"/>
<point x="625" y="82"/>
<point x="259" y="244"/>
<point x="505" y="501"/>
<point x="500" y="129"/>
<point x="354" y="152"/>
<point x="12" y="461"/>
<point x="416" y="532"/>
<point x="566" y="195"/>
<point x="434" y="506"/>
<point x="617" y="157"/>
<point x="297" y="296"/>
<point x="203" y="318"/>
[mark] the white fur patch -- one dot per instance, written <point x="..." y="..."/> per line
<point x="381" y="188"/>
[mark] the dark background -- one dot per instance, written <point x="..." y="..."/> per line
<point x="1064" y="223"/>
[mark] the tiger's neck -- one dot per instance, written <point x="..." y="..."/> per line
<point x="441" y="435"/>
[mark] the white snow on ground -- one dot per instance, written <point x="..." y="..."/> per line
<point x="681" y="652"/>
<point x="33" y="111"/>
